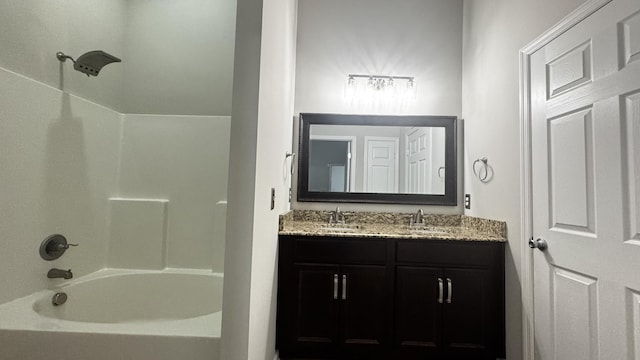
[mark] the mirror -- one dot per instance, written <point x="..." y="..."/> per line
<point x="377" y="159"/>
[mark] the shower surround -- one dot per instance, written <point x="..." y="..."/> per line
<point x="131" y="165"/>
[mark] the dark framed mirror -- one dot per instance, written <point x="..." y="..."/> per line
<point x="377" y="159"/>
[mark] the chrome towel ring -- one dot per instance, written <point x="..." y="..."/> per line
<point x="482" y="170"/>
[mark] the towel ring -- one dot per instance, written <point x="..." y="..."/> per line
<point x="481" y="169"/>
<point x="293" y="159"/>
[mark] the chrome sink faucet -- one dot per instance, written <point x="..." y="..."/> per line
<point x="59" y="274"/>
<point x="417" y="219"/>
<point x="337" y="217"/>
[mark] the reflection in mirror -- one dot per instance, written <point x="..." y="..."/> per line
<point x="368" y="158"/>
<point x="375" y="159"/>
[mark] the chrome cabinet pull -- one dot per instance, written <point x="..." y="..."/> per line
<point x="440" y="296"/>
<point x="449" y="290"/>
<point x="335" y="286"/>
<point x="344" y="287"/>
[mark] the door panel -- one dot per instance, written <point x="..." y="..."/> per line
<point x="316" y="308"/>
<point x="364" y="304"/>
<point x="381" y="164"/>
<point x="574" y="315"/>
<point x="571" y="172"/>
<point x="584" y="97"/>
<point x="630" y="29"/>
<point x="632" y="153"/>
<point x="470" y="314"/>
<point x="418" y="312"/>
<point x="570" y="70"/>
<point x="634" y="321"/>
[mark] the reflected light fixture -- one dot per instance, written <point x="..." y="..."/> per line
<point x="379" y="87"/>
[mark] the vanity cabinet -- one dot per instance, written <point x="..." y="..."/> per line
<point x="333" y="299"/>
<point x="449" y="300"/>
<point x="387" y="298"/>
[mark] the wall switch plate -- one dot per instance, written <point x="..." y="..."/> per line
<point x="467" y="201"/>
<point x="273" y="198"/>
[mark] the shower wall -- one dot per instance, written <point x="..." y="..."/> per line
<point x="179" y="57"/>
<point x="183" y="159"/>
<point x="58" y="165"/>
<point x="32" y="31"/>
<point x="58" y="152"/>
<point x="67" y="145"/>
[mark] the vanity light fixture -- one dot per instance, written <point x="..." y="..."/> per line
<point x="382" y="87"/>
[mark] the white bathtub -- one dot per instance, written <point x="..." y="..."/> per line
<point x="118" y="314"/>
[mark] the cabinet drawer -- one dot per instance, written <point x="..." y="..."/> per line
<point x="434" y="252"/>
<point x="343" y="250"/>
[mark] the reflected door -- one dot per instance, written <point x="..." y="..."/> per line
<point x="330" y="164"/>
<point x="381" y="162"/>
<point x="585" y="88"/>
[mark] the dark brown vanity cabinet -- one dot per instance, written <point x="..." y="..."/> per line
<point x="333" y="298"/>
<point x="374" y="298"/>
<point x="449" y="300"/>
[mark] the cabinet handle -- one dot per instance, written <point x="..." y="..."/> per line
<point x="335" y="286"/>
<point x="449" y="290"/>
<point x="440" y="291"/>
<point x="344" y="287"/>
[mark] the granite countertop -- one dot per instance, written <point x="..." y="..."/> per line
<point x="393" y="225"/>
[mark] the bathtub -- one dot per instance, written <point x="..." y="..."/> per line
<point x="118" y="314"/>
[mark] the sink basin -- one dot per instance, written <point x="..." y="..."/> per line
<point x="425" y="230"/>
<point x="341" y="228"/>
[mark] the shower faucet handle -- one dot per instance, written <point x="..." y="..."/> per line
<point x="61" y="246"/>
<point x="53" y="246"/>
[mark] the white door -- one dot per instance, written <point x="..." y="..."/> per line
<point x="418" y="162"/>
<point x="424" y="171"/>
<point x="585" y="101"/>
<point x="381" y="164"/>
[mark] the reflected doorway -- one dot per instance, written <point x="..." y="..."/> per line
<point x="331" y="163"/>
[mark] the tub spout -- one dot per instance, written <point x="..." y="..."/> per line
<point x="58" y="274"/>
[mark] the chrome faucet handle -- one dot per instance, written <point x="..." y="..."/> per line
<point x="64" y="246"/>
<point x="53" y="246"/>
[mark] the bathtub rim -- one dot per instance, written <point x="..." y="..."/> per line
<point x="19" y="314"/>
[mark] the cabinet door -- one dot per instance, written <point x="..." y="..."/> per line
<point x="418" y="315"/>
<point x="311" y="326"/>
<point x="470" y="314"/>
<point x="365" y="301"/>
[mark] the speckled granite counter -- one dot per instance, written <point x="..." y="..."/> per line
<point x="393" y="225"/>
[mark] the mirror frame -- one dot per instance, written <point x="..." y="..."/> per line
<point x="450" y="196"/>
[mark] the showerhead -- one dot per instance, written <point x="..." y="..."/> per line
<point x="90" y="63"/>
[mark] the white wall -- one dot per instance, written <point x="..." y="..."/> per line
<point x="242" y="176"/>
<point x="58" y="166"/>
<point x="183" y="159"/>
<point x="260" y="137"/>
<point x="179" y="57"/>
<point x="421" y="38"/>
<point x="494" y="32"/>
<point x="275" y="111"/>
<point x="33" y="31"/>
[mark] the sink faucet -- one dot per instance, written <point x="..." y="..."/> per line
<point x="418" y="218"/>
<point x="59" y="274"/>
<point x="337" y="217"/>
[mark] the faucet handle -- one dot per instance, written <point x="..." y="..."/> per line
<point x="61" y="246"/>
<point x="53" y="246"/>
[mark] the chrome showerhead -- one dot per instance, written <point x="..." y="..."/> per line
<point x="90" y="63"/>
